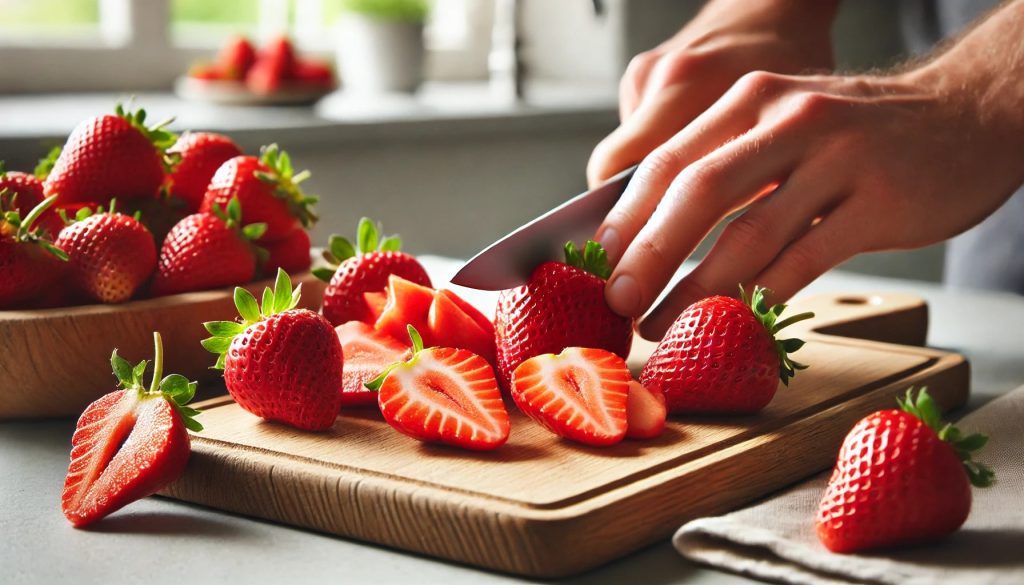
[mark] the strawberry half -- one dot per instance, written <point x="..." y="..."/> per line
<point x="367" y="352"/>
<point x="130" y="443"/>
<point x="198" y="156"/>
<point x="29" y="262"/>
<point x="443" y="395"/>
<point x="902" y="477"/>
<point x="645" y="412"/>
<point x="721" y="356"/>
<point x="580" y="394"/>
<point x="280" y="363"/>
<point x="364" y="268"/>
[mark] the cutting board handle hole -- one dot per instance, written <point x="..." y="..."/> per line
<point x="873" y="300"/>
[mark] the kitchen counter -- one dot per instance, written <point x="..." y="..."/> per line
<point x="163" y="541"/>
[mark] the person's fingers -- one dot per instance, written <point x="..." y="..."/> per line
<point x="634" y="80"/>
<point x="749" y="244"/>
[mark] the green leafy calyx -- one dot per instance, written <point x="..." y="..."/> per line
<point x="769" y="317"/>
<point x="22" y="230"/>
<point x="157" y="134"/>
<point x="925" y="408"/>
<point x="593" y="259"/>
<point x="369" y="239"/>
<point x="284" y="182"/>
<point x="277" y="300"/>
<point x="417" y="347"/>
<point x="174" y="387"/>
<point x="45" y="164"/>
<point x="232" y="217"/>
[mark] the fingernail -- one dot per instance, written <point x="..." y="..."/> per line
<point x="623" y="295"/>
<point x="609" y="240"/>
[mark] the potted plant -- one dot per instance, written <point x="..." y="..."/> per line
<point x="380" y="44"/>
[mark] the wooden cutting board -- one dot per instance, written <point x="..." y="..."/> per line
<point x="542" y="506"/>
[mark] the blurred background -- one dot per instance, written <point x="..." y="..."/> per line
<point x="455" y="120"/>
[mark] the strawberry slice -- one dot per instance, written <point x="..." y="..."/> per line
<point x="444" y="395"/>
<point x="580" y="394"/>
<point x="408" y="304"/>
<point x="129" y="443"/>
<point x="367" y="352"/>
<point x="453" y="325"/>
<point x="645" y="412"/>
<point x="375" y="303"/>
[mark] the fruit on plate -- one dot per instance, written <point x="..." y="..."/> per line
<point x="111" y="156"/>
<point x="110" y="255"/>
<point x="280" y="363"/>
<point x="355" y="270"/>
<point x="443" y="395"/>
<point x="722" y="356"/>
<point x="580" y="394"/>
<point x="902" y="477"/>
<point x="273" y="68"/>
<point x="29" y="262"/>
<point x="367" y="352"/>
<point x="207" y="250"/>
<point x="315" y="73"/>
<point x="130" y="443"/>
<point x="235" y="58"/>
<point x="561" y="305"/>
<point x="291" y="253"/>
<point x="441" y="316"/>
<point x="645" y="412"/>
<point x="25" y="191"/>
<point x="198" y="156"/>
<point x="268" y="189"/>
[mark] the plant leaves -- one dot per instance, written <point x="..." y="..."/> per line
<point x="216" y="344"/>
<point x="340" y="248"/>
<point x="366" y="236"/>
<point x="254" y="231"/>
<point x="138" y="372"/>
<point x="122" y="369"/>
<point x="246" y="304"/>
<point x="267" y="305"/>
<point x="224" y="328"/>
<point x="323" y="273"/>
<point x="391" y="244"/>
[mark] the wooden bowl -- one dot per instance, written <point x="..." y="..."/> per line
<point x="54" y="362"/>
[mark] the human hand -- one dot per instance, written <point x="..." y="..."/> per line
<point x="665" y="88"/>
<point x="862" y="163"/>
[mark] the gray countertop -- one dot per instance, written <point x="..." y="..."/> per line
<point x="163" y="541"/>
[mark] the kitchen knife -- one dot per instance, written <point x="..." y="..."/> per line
<point x="509" y="262"/>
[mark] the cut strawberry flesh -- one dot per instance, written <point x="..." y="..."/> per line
<point x="375" y="303"/>
<point x="645" y="412"/>
<point x="367" y="352"/>
<point x="446" y="395"/>
<point x="407" y="304"/>
<point x="451" y="326"/>
<point x="579" y="394"/>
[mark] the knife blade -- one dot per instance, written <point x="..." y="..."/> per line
<point x="509" y="262"/>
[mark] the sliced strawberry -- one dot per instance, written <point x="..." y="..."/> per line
<point x="408" y="304"/>
<point x="451" y="326"/>
<point x="367" y="352"/>
<point x="444" y="395"/>
<point x="486" y="324"/>
<point x="645" y="412"/>
<point x="579" y="394"/>
<point x="375" y="303"/>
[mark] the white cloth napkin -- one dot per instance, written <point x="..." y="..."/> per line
<point x="775" y="539"/>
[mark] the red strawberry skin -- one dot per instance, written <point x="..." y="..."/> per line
<point x="236" y="178"/>
<point x="895" y="483"/>
<point x="560" y="306"/>
<point x="716" y="358"/>
<point x="202" y="153"/>
<point x="366" y="273"/>
<point x="28" y="271"/>
<point x="274" y="67"/>
<point x="201" y="252"/>
<point x="105" y="157"/>
<point x="287" y="368"/>
<point x="124" y="448"/>
<point x="236" y="58"/>
<point x="26" y="189"/>
<point x="291" y="254"/>
<point x="110" y="256"/>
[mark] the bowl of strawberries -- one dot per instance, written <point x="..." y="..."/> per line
<point x="130" y="229"/>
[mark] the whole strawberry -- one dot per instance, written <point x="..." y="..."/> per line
<point x="236" y="57"/>
<point x="29" y="262"/>
<point x="363" y="268"/>
<point x="268" y="189"/>
<point x="292" y="254"/>
<point x="129" y="443"/>
<point x="199" y="155"/>
<point x="280" y="363"/>
<point x="207" y="250"/>
<point x="110" y="255"/>
<point x="111" y="156"/>
<point x="24" y="190"/>
<point x="560" y="306"/>
<point x="902" y="477"/>
<point x="721" y="356"/>
<point x="274" y="67"/>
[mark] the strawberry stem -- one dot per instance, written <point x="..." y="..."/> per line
<point x="158" y="362"/>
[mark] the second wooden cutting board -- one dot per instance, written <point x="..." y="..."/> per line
<point x="546" y="507"/>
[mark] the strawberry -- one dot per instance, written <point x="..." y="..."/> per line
<point x="292" y="253"/>
<point x="236" y="57"/>
<point x="902" y="477"/>
<point x="645" y="412"/>
<point x="721" y="356"/>
<point x="199" y="155"/>
<point x="560" y="306"/>
<point x="443" y="395"/>
<point x="274" y="67"/>
<point x="580" y="394"/>
<point x="29" y="262"/>
<point x="111" y="156"/>
<point x="110" y="255"/>
<point x="206" y="72"/>
<point x="280" y="363"/>
<point x="207" y="250"/>
<point x="268" y="189"/>
<point x="364" y="268"/>
<point x="313" y="73"/>
<point x="130" y="443"/>
<point x="367" y="352"/>
<point x="24" y="190"/>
